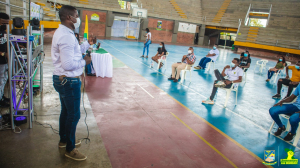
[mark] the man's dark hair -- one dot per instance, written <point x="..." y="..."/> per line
<point x="237" y="60"/>
<point x="191" y="47"/>
<point x="216" y="44"/>
<point x="65" y="11"/>
<point x="4" y="15"/>
<point x="147" y="30"/>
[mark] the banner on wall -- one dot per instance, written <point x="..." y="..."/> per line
<point x="34" y="11"/>
<point x="187" y="28"/>
<point x="95" y="17"/>
<point x="159" y="24"/>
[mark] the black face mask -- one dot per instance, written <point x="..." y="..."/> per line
<point x="3" y="27"/>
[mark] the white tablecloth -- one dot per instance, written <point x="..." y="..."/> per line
<point x="102" y="65"/>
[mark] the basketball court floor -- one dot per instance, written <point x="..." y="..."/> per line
<point x="140" y="119"/>
<point x="146" y="120"/>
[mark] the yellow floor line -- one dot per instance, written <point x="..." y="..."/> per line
<point x="229" y="161"/>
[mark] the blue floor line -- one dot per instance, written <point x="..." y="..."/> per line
<point x="248" y="121"/>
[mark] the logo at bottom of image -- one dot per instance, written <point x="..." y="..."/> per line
<point x="290" y="159"/>
<point x="269" y="157"/>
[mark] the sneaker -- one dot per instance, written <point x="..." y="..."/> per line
<point x="63" y="145"/>
<point x="146" y="56"/>
<point x="75" y="155"/>
<point x="279" y="131"/>
<point x="142" y="56"/>
<point x="197" y="67"/>
<point x="220" y="84"/>
<point x="171" y="78"/>
<point x="268" y="80"/>
<point x="3" y="103"/>
<point x="208" y="101"/>
<point x="175" y="80"/>
<point x="289" y="137"/>
<point x="277" y="96"/>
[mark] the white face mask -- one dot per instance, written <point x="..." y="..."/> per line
<point x="190" y="52"/>
<point x="232" y="64"/>
<point x="77" y="24"/>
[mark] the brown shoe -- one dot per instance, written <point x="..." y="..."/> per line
<point x="63" y="145"/>
<point x="75" y="155"/>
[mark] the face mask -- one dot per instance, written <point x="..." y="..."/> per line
<point x="245" y="55"/>
<point x="190" y="51"/>
<point x="77" y="24"/>
<point x="214" y="47"/>
<point x="160" y="46"/>
<point x="232" y="64"/>
<point x="280" y="59"/>
<point x="297" y="67"/>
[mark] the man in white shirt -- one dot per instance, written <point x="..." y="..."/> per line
<point x="211" y="56"/>
<point x="235" y="75"/>
<point x="67" y="59"/>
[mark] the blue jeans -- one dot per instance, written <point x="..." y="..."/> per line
<point x="147" y="46"/>
<point x="270" y="74"/>
<point x="289" y="109"/>
<point x="69" y="95"/>
<point x="203" y="62"/>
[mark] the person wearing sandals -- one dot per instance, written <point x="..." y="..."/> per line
<point x="279" y="66"/>
<point x="147" y="43"/>
<point x="160" y="52"/>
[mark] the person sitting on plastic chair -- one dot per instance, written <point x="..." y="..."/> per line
<point x="235" y="75"/>
<point x="160" y="52"/>
<point x="212" y="55"/>
<point x="291" y="83"/>
<point x="288" y="109"/>
<point x="186" y="60"/>
<point x="279" y="66"/>
<point x="245" y="61"/>
<point x="84" y="47"/>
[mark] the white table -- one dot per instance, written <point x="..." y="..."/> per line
<point x="102" y="64"/>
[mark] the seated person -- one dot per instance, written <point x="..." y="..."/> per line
<point x="160" y="52"/>
<point x="279" y="66"/>
<point x="212" y="55"/>
<point x="235" y="75"/>
<point x="242" y="54"/>
<point x="288" y="109"/>
<point x="245" y="61"/>
<point x="291" y="83"/>
<point x="84" y="47"/>
<point x="186" y="60"/>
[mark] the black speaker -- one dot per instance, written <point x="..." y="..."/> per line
<point x="18" y="23"/>
<point x="35" y="23"/>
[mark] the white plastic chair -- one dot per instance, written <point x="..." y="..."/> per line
<point x="163" y="59"/>
<point x="297" y="137"/>
<point x="234" y="87"/>
<point x="287" y="63"/>
<point x="261" y="64"/>
<point x="183" y="76"/>
<point x="209" y="64"/>
<point x="275" y="75"/>
<point x="287" y="87"/>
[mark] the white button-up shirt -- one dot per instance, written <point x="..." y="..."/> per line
<point x="66" y="53"/>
